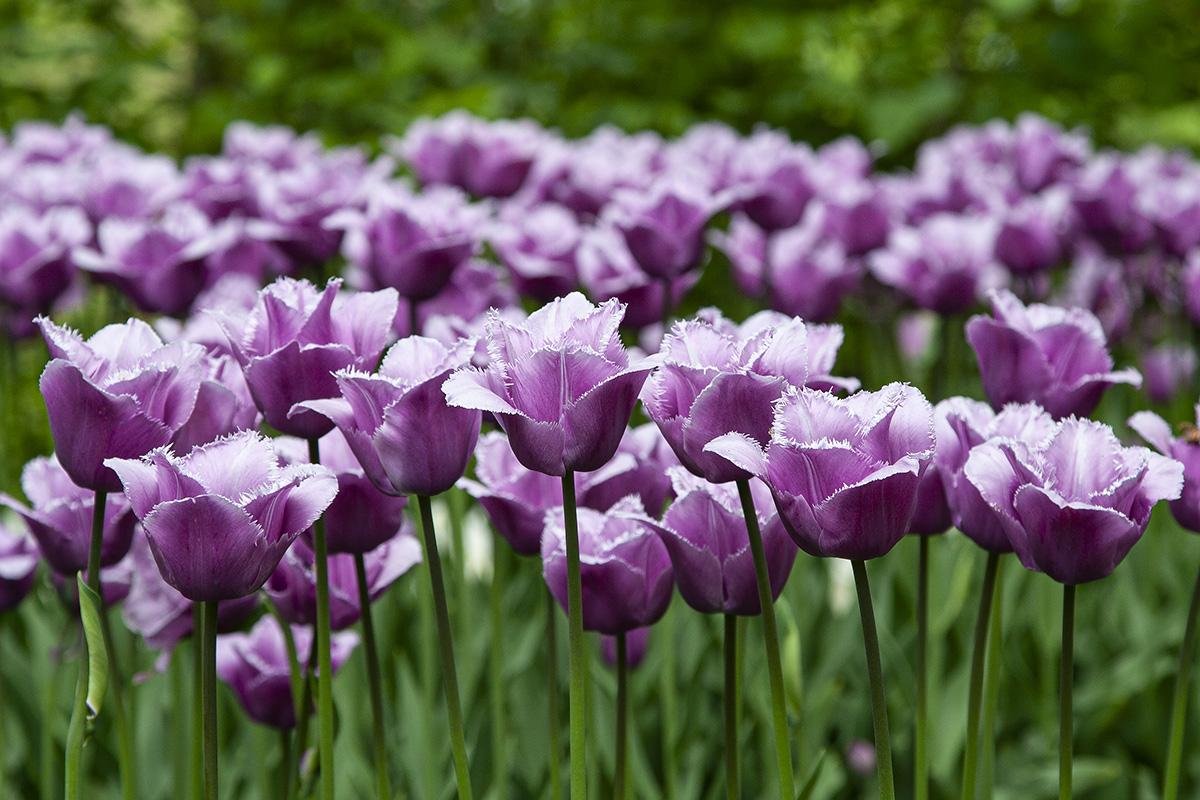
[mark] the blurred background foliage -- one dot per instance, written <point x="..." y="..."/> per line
<point x="170" y="74"/>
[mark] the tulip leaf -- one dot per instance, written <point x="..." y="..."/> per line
<point x="810" y="785"/>
<point x="90" y="610"/>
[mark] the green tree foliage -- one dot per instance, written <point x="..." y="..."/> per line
<point x="169" y="74"/>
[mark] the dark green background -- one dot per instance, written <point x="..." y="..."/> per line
<point x="169" y="74"/>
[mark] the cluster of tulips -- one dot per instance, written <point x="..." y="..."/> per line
<point x="163" y="493"/>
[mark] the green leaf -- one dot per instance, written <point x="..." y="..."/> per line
<point x="90" y="609"/>
<point x="811" y="784"/>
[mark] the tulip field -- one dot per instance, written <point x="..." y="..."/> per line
<point x="482" y="462"/>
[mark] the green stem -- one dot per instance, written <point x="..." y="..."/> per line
<point x="454" y="502"/>
<point x="449" y="676"/>
<point x="731" y="707"/>
<point x="209" y="648"/>
<point x="991" y="696"/>
<point x="783" y="749"/>
<point x="883" y="742"/>
<point x="1066" y="685"/>
<point x="49" y="755"/>
<point x="289" y="641"/>
<point x="668" y="693"/>
<point x="125" y="749"/>
<point x="286" y="764"/>
<point x="179" y="702"/>
<point x="621" y="769"/>
<point x="324" y="659"/>
<point x="373" y="679"/>
<point x="302" y="722"/>
<point x="552" y="680"/>
<point x="197" y="702"/>
<point x="75" y="729"/>
<point x="496" y="664"/>
<point x="1179" y="707"/>
<point x="921" y="763"/>
<point x="575" y="701"/>
<point x="975" y="692"/>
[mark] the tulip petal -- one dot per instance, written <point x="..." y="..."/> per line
<point x="1073" y="544"/>
<point x="868" y="519"/>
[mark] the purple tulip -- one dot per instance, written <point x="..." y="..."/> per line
<point x="517" y="499"/>
<point x="255" y="666"/>
<point x="220" y="518"/>
<point x="932" y="514"/>
<point x="772" y="179"/>
<point x="485" y="158"/>
<point x="1043" y="153"/>
<point x="844" y="473"/>
<point x="360" y="518"/>
<point x="705" y="533"/>
<point x="1186" y="450"/>
<point x="158" y="263"/>
<point x="120" y="394"/>
<point x="626" y="572"/>
<point x="397" y="421"/>
<point x="18" y="562"/>
<point x="460" y="310"/>
<point x="297" y="336"/>
<point x="411" y="242"/>
<point x="1057" y="357"/>
<point x="663" y="225"/>
<point x="1105" y="197"/>
<point x="609" y="271"/>
<point x="538" y="246"/>
<point x="637" y="641"/>
<point x="36" y="267"/>
<point x="162" y="616"/>
<point x="61" y="518"/>
<point x="717" y="377"/>
<point x="961" y="424"/>
<point x="1033" y="233"/>
<point x="1074" y="507"/>
<point x="560" y="384"/>
<point x="583" y="175"/>
<point x="943" y="265"/>
<point x="1168" y="369"/>
<point x="292" y="587"/>
<point x="223" y="406"/>
<point x="802" y="274"/>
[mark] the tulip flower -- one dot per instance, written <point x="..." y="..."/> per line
<point x="538" y="247"/>
<point x="1072" y="509"/>
<point x="120" y="394"/>
<point x="1053" y="356"/>
<point x="255" y="666"/>
<point x="845" y="474"/>
<point x="218" y="521"/>
<point x="18" y="561"/>
<point x="36" y="267"/>
<point x="663" y="225"/>
<point x="292" y="587"/>
<point x="609" y="271"/>
<point x="220" y="518"/>
<point x="705" y="534"/>
<point x="626" y="579"/>
<point x="717" y="377"/>
<point x="297" y="336"/>
<point x="61" y="518"/>
<point x="1186" y="509"/>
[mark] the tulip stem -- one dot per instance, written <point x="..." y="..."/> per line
<point x="210" y="699"/>
<point x="79" y="711"/>
<point x="1179" y="707"/>
<point x="1066" y="688"/>
<point x="552" y="680"/>
<point x="125" y="749"/>
<point x="286" y="764"/>
<point x="921" y="763"/>
<point x="324" y="659"/>
<point x="449" y="676"/>
<point x="575" y="701"/>
<point x="731" y="707"/>
<point x="883" y="742"/>
<point x="49" y="761"/>
<point x="622" y="718"/>
<point x="197" y="703"/>
<point x="289" y="641"/>
<point x="302" y="722"/>
<point x="975" y="692"/>
<point x="991" y="690"/>
<point x="667" y="693"/>
<point x="496" y="664"/>
<point x="373" y="680"/>
<point x="783" y="749"/>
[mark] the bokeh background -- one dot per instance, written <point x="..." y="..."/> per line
<point x="170" y="74"/>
